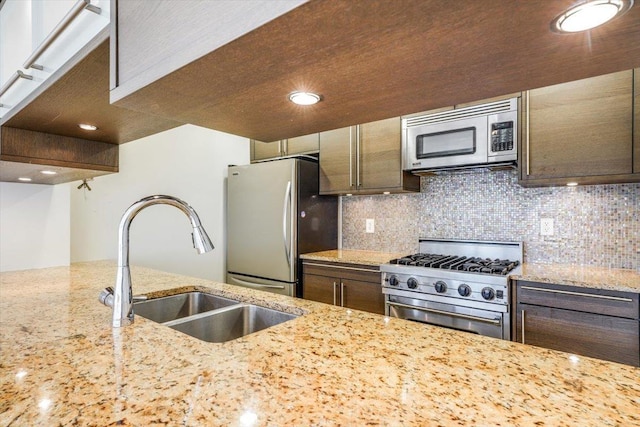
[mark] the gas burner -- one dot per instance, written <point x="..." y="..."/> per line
<point x="497" y="266"/>
<point x="462" y="263"/>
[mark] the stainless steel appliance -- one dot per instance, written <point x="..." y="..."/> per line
<point x="454" y="283"/>
<point x="479" y="136"/>
<point x="274" y="213"/>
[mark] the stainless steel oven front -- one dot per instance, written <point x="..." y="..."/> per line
<point x="493" y="322"/>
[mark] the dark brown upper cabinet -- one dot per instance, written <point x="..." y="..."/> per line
<point x="364" y="159"/>
<point x="300" y="145"/>
<point x="581" y="131"/>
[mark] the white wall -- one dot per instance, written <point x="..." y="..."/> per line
<point x="188" y="162"/>
<point x="34" y="226"/>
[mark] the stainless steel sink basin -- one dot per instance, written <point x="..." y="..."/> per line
<point x="174" y="307"/>
<point x="230" y="323"/>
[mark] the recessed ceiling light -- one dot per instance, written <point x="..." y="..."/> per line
<point x="589" y="14"/>
<point x="304" y="98"/>
<point x="24" y="179"/>
<point x="48" y="172"/>
<point x="571" y="184"/>
<point x="87" y="126"/>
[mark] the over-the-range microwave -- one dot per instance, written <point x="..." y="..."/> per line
<point x="478" y="136"/>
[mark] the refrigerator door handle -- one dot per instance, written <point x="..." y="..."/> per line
<point x="285" y="211"/>
<point x="257" y="285"/>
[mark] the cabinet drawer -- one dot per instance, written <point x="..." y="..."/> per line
<point x="610" y="303"/>
<point x="352" y="271"/>
<point x="587" y="334"/>
<point x="320" y="288"/>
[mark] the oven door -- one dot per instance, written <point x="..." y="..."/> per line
<point x="479" y="321"/>
<point x="440" y="145"/>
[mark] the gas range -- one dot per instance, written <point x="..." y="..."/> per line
<point x="455" y="283"/>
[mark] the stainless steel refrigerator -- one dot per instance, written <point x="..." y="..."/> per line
<point x="274" y="214"/>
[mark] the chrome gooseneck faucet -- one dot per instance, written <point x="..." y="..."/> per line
<point x="122" y="299"/>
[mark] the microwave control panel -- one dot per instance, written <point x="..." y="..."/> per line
<point x="502" y="136"/>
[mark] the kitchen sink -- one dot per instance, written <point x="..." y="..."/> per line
<point x="229" y="323"/>
<point x="174" y="307"/>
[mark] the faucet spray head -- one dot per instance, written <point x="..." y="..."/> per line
<point x="201" y="240"/>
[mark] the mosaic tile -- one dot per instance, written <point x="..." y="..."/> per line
<point x="593" y="225"/>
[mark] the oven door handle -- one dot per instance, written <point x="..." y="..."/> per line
<point x="448" y="313"/>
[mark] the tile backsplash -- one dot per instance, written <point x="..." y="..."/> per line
<point x="593" y="225"/>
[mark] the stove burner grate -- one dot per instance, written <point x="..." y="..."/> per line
<point x="461" y="263"/>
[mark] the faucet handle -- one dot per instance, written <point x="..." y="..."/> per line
<point x="106" y="297"/>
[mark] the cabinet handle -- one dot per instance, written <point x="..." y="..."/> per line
<point x="579" y="294"/>
<point x="350" y="158"/>
<point x="357" y="156"/>
<point x="62" y="25"/>
<point x="497" y="321"/>
<point x="341" y="267"/>
<point x="14" y="78"/>
<point x="334" y="294"/>
<point x="527" y="128"/>
<point x="522" y="332"/>
<point x="342" y="287"/>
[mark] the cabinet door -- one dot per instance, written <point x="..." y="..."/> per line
<point x="579" y="129"/>
<point x="380" y="155"/>
<point x="47" y="15"/>
<point x="359" y="295"/>
<point x="636" y="121"/>
<point x="593" y="335"/>
<point x="337" y="166"/>
<point x="303" y="144"/>
<point x="159" y="37"/>
<point x="320" y="288"/>
<point x="15" y="48"/>
<point x="265" y="150"/>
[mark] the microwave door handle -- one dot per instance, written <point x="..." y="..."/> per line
<point x="285" y="213"/>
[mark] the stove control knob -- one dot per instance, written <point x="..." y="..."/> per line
<point x="412" y="283"/>
<point x="393" y="281"/>
<point x="488" y="294"/>
<point x="441" y="287"/>
<point x="464" y="290"/>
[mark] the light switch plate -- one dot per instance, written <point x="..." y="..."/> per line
<point x="370" y="225"/>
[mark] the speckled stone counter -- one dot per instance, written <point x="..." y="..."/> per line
<point x="563" y="274"/>
<point x="614" y="279"/>
<point x="62" y="364"/>
<point x="352" y="256"/>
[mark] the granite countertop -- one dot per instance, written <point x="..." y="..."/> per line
<point x="61" y="363"/>
<point x="353" y="256"/>
<point x="613" y="279"/>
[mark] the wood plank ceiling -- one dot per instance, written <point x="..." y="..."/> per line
<point x="377" y="59"/>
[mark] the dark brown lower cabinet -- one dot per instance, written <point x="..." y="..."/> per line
<point x="587" y="322"/>
<point x="352" y="286"/>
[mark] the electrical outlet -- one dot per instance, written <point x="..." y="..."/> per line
<point x="546" y="226"/>
<point x="370" y="225"/>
